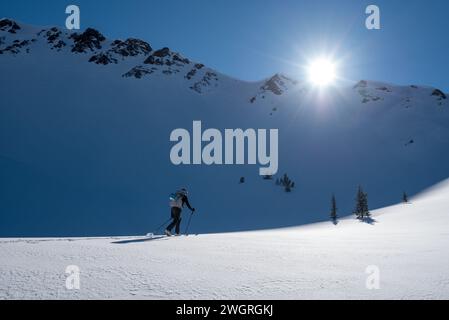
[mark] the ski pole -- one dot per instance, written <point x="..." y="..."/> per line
<point x="165" y="222"/>
<point x="188" y="224"/>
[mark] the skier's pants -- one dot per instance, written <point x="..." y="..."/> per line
<point x="176" y="216"/>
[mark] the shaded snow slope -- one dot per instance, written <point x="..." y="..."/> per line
<point x="84" y="139"/>
<point x="407" y="242"/>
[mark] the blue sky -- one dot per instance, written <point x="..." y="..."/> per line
<point x="253" y="39"/>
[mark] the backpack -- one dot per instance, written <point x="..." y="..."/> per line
<point x="176" y="200"/>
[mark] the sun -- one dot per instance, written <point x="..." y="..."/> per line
<point x="321" y="72"/>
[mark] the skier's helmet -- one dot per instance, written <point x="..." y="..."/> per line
<point x="183" y="191"/>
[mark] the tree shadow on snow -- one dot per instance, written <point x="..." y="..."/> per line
<point x="140" y="240"/>
<point x="368" y="220"/>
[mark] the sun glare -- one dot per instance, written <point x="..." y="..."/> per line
<point x="321" y="72"/>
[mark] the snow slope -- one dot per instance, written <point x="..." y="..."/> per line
<point x="407" y="242"/>
<point x="84" y="139"/>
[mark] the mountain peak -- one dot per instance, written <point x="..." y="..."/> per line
<point x="9" y="25"/>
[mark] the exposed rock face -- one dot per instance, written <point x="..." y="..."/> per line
<point x="12" y="46"/>
<point x="103" y="58"/>
<point x="277" y="84"/>
<point x="192" y="72"/>
<point x="162" y="61"/>
<point x="165" y="57"/>
<point x="54" y="37"/>
<point x="440" y="94"/>
<point x="120" y="50"/>
<point x="162" y="52"/>
<point x="139" y="71"/>
<point x="9" y="26"/>
<point x="179" y="59"/>
<point x="15" y="47"/>
<point x="209" y="79"/>
<point x="90" y="40"/>
<point x="130" y="47"/>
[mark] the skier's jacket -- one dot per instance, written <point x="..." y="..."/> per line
<point x="178" y="200"/>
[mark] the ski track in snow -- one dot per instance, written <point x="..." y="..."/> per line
<point x="408" y="242"/>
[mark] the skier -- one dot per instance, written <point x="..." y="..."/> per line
<point x="177" y="201"/>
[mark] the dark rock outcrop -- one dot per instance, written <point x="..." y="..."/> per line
<point x="103" y="58"/>
<point x="209" y="79"/>
<point x="440" y="94"/>
<point x="276" y="84"/>
<point x="162" y="52"/>
<point x="88" y="40"/>
<point x="54" y="37"/>
<point x="15" y="47"/>
<point x="9" y="26"/>
<point x="121" y="49"/>
<point x="165" y="57"/>
<point x="192" y="72"/>
<point x="130" y="47"/>
<point x="139" y="71"/>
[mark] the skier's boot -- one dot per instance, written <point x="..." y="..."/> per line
<point x="168" y="233"/>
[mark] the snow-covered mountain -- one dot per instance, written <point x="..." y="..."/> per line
<point x="85" y="124"/>
<point x="407" y="246"/>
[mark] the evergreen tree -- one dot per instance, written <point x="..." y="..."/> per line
<point x="287" y="183"/>
<point x="366" y="213"/>
<point x="242" y="180"/>
<point x="361" y="205"/>
<point x="405" y="198"/>
<point x="358" y="203"/>
<point x="334" y="210"/>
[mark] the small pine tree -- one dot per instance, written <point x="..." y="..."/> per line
<point x="366" y="213"/>
<point x="361" y="205"/>
<point x="405" y="197"/>
<point x="287" y="183"/>
<point x="358" y="203"/>
<point x="242" y="179"/>
<point x="334" y="210"/>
